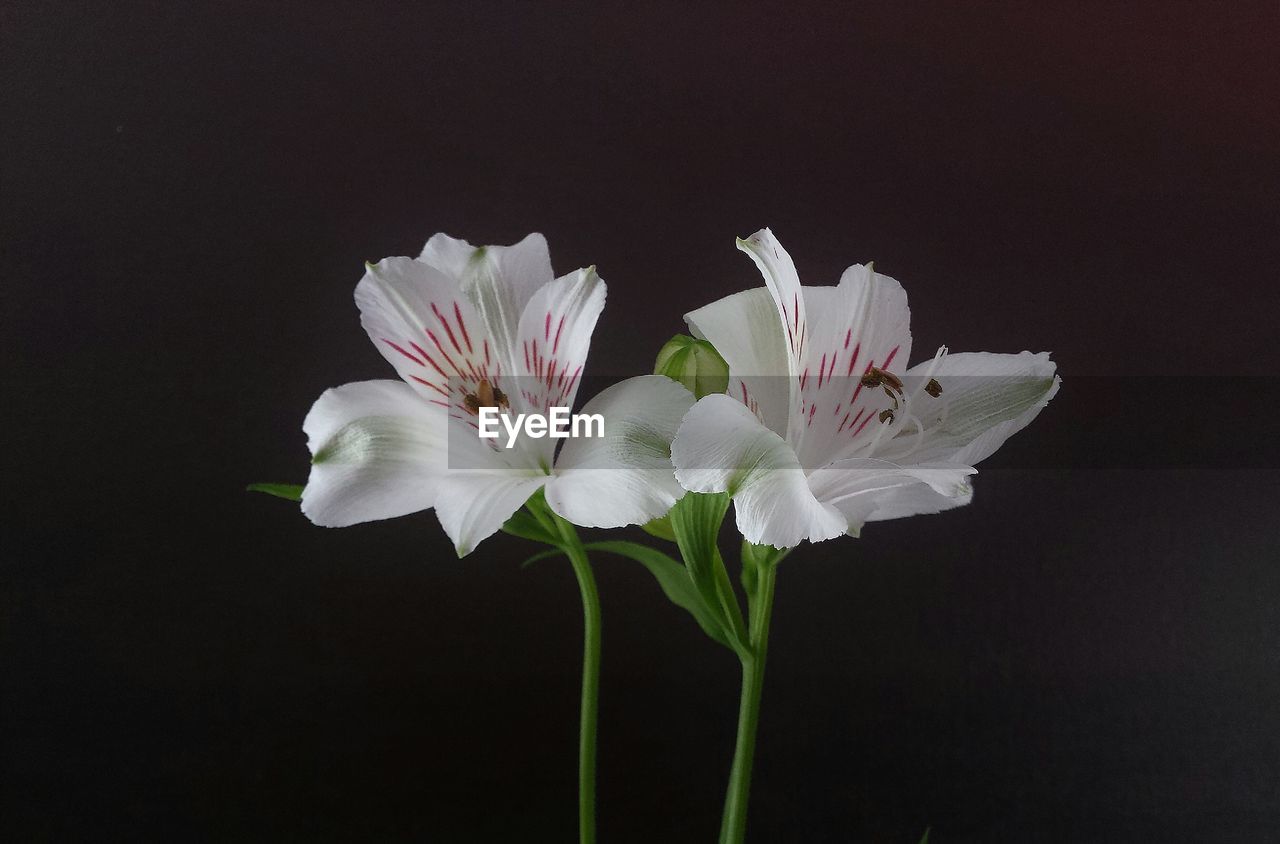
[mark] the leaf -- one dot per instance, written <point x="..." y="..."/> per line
<point x="674" y="580"/>
<point x="925" y="839"/>
<point x="289" y="492"/>
<point x="526" y="526"/>
<point x="660" y="528"/>
<point x="696" y="520"/>
<point x="541" y="555"/>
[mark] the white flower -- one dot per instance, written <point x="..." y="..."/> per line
<point x="817" y="434"/>
<point x="466" y="327"/>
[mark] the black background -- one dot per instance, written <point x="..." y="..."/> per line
<point x="1089" y="652"/>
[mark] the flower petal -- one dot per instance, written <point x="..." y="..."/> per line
<point x="748" y="334"/>
<point x="985" y="399"/>
<point x="722" y="447"/>
<point x="866" y="489"/>
<point x="918" y="500"/>
<point x="780" y="277"/>
<point x="473" y="504"/>
<point x="378" y="451"/>
<point x="624" y="477"/>
<point x="555" y="336"/>
<point x="427" y="330"/>
<point x="783" y="282"/>
<point x="861" y="323"/>
<point x="498" y="281"/>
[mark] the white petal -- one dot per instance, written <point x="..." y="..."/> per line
<point x="378" y="451"/>
<point x="424" y="326"/>
<point x="722" y="447"/>
<point x="555" y="336"/>
<point x="870" y="490"/>
<point x="747" y="332"/>
<point x="499" y="281"/>
<point x="861" y="323"/>
<point x="918" y="500"/>
<point x="986" y="398"/>
<point x="783" y="282"/>
<point x="473" y="504"/>
<point x="780" y="277"/>
<point x="624" y="477"/>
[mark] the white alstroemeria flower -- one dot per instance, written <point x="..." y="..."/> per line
<point x="817" y="435"/>
<point x="466" y="327"/>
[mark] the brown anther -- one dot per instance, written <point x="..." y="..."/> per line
<point x="886" y="415"/>
<point x="875" y="376"/>
<point x="933" y="388"/>
<point x="486" y="395"/>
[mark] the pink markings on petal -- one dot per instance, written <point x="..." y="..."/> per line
<point x="555" y="347"/>
<point x="448" y="359"/>
<point x="462" y="326"/>
<point x="804" y="378"/>
<point x="889" y="359"/>
<point x="403" y="352"/>
<point x="864" y="422"/>
<point x="546" y="327"/>
<point x="486" y="353"/>
<point x="848" y="335"/>
<point x="822" y="369"/>
<point x="843" y="422"/>
<point x="527" y="365"/>
<point x="812" y="408"/>
<point x="431" y="384"/>
<point x="448" y="330"/>
<point x="431" y="361"/>
<point x="853" y="361"/>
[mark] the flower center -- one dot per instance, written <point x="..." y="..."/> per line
<point x="486" y="395"/>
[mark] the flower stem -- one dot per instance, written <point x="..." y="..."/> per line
<point x="590" y="680"/>
<point x="733" y="828"/>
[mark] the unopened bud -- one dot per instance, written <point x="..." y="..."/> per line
<point x="694" y="363"/>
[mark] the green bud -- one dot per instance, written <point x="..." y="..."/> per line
<point x="694" y="363"/>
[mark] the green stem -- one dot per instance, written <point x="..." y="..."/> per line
<point x="590" y="681"/>
<point x="733" y="827"/>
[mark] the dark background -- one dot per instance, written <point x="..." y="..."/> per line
<point x="1090" y="652"/>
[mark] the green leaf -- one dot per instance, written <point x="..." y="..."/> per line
<point x="925" y="839"/>
<point x="527" y="526"/>
<point x="289" y="492"/>
<point x="696" y="520"/>
<point x="660" y="528"/>
<point x="674" y="580"/>
<point x="541" y="555"/>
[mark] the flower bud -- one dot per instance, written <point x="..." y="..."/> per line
<point x="694" y="363"/>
